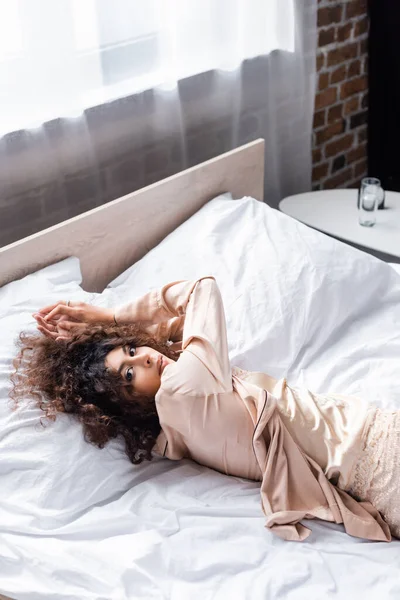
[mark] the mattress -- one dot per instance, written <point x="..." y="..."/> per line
<point x="78" y="522"/>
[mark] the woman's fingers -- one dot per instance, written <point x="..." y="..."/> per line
<point x="62" y="329"/>
<point x="47" y="333"/>
<point x="47" y="329"/>
<point x="71" y="326"/>
<point x="46" y="324"/>
<point x="78" y="312"/>
<point x="81" y="312"/>
<point x="46" y="309"/>
<point x="62" y="309"/>
<point x="58" y="336"/>
<point x="56" y="322"/>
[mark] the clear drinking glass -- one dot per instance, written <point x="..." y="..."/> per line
<point x="370" y="195"/>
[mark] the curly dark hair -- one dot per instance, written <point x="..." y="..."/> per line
<point x="70" y="377"/>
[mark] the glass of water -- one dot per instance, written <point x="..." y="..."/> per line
<point x="370" y="195"/>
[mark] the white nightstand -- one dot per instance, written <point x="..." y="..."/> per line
<point x="335" y="212"/>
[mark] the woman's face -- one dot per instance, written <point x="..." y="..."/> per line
<point x="140" y="368"/>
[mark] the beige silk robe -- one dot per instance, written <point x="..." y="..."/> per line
<point x="250" y="425"/>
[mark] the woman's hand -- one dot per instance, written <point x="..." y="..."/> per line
<point x="61" y="321"/>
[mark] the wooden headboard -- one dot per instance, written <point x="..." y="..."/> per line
<point x="110" y="238"/>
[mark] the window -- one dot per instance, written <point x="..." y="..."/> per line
<point x="57" y="57"/>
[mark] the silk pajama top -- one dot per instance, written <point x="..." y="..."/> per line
<point x="301" y="446"/>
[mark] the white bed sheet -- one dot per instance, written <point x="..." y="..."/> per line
<point x="76" y="522"/>
<point x="396" y="267"/>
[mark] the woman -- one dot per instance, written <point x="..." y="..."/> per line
<point x="157" y="372"/>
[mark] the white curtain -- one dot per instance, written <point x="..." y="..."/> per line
<point x="99" y="97"/>
<point x="63" y="56"/>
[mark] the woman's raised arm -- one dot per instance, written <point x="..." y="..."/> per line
<point x="190" y="312"/>
<point x="200" y="305"/>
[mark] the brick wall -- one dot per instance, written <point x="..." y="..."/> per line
<point x="340" y="119"/>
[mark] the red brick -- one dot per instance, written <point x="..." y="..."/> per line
<point x="365" y="64"/>
<point x="360" y="169"/>
<point x="335" y="113"/>
<point x="323" y="81"/>
<point x="329" y="15"/>
<point x="363" y="47"/>
<point x="340" y="145"/>
<point x="361" y="27"/>
<point x="354" y="68"/>
<point x="320" y="61"/>
<point x="364" y="101"/>
<point x="349" y="88"/>
<point x="358" y="119"/>
<point x="338" y="74"/>
<point x="338" y="180"/>
<point x="340" y="55"/>
<point x="356" y="153"/>
<point x="362" y="134"/>
<point x="356" y="8"/>
<point x="351" y="106"/>
<point x="326" y="36"/>
<point x="325" y="98"/>
<point x="338" y="163"/>
<point x="316" y="155"/>
<point x="329" y="132"/>
<point x="319" y="119"/>
<point x="344" y="32"/>
<point x="320" y="171"/>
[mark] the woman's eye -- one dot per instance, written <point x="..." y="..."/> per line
<point x="129" y="375"/>
<point x="132" y="350"/>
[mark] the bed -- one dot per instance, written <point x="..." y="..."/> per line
<point x="77" y="522"/>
